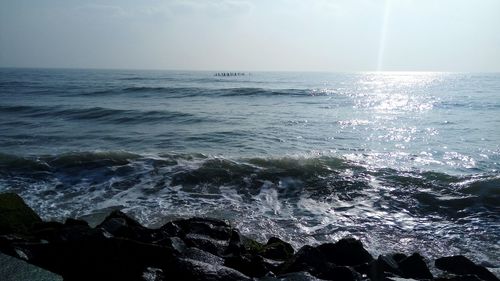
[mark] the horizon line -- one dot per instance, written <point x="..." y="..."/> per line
<point x="240" y="70"/>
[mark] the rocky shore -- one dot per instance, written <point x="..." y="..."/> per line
<point x="120" y="248"/>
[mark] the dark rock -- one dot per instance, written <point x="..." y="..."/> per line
<point x="347" y="251"/>
<point x="74" y="222"/>
<point x="235" y="246"/>
<point x="294" y="276"/>
<point x="214" y="246"/>
<point x="210" y="235"/>
<point x="277" y="249"/>
<point x="459" y="278"/>
<point x="462" y="266"/>
<point x="364" y="269"/>
<point x="13" y="269"/>
<point x="398" y="257"/>
<point x="192" y="270"/>
<point x="58" y="232"/>
<point x="308" y="259"/>
<point x="251" y="245"/>
<point x="388" y="264"/>
<point x="171" y="229"/>
<point x="153" y="274"/>
<point x="174" y="243"/>
<point x="96" y="258"/>
<point x="119" y="224"/>
<point x="216" y="229"/>
<point x="414" y="266"/>
<point x="396" y="278"/>
<point x="200" y="255"/>
<point x="251" y="265"/>
<point x="381" y="268"/>
<point x="323" y="261"/>
<point x="341" y="273"/>
<point x="15" y="215"/>
<point x="47" y="230"/>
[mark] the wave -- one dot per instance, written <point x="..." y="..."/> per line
<point x="106" y="115"/>
<point x="317" y="198"/>
<point x="180" y="92"/>
<point x="292" y="177"/>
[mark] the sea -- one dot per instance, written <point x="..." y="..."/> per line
<point x="404" y="161"/>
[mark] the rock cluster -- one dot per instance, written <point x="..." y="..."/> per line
<point x="198" y="249"/>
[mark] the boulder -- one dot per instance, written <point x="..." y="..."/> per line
<point x="12" y="269"/>
<point x="97" y="258"/>
<point x="347" y="252"/>
<point x="119" y="224"/>
<point x="213" y="228"/>
<point x="252" y="246"/>
<point x="200" y="255"/>
<point x="459" y="278"/>
<point x="251" y="265"/>
<point x="294" y="276"/>
<point x="206" y="243"/>
<point x="277" y="249"/>
<point x="308" y="259"/>
<point x="383" y="267"/>
<point x="415" y="267"/>
<point x="192" y="270"/>
<point x="15" y="215"/>
<point x="341" y="273"/>
<point x="463" y="266"/>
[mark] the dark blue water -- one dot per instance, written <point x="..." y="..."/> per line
<point x="403" y="161"/>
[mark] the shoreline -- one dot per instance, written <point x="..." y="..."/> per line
<point x="120" y="248"/>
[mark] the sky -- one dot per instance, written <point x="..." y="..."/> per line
<point x="251" y="35"/>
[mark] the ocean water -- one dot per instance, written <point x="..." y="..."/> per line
<point x="403" y="161"/>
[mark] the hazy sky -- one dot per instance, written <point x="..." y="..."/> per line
<point x="317" y="35"/>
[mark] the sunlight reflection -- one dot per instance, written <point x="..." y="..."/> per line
<point x="396" y="92"/>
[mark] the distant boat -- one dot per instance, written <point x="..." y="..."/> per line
<point x="227" y="74"/>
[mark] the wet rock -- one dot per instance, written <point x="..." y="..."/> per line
<point x="251" y="245"/>
<point x="216" y="229"/>
<point x="153" y="274"/>
<point x="387" y="263"/>
<point x="330" y="260"/>
<point x="211" y="235"/>
<point x="175" y="243"/>
<point x="251" y="265"/>
<point x="75" y="222"/>
<point x="399" y="279"/>
<point x="72" y="231"/>
<point x="459" y="278"/>
<point x="171" y="229"/>
<point x="47" y="230"/>
<point x="381" y="268"/>
<point x="343" y="273"/>
<point x="463" y="266"/>
<point x="347" y="251"/>
<point x="188" y="269"/>
<point x="119" y="224"/>
<point x="398" y="257"/>
<point x="15" y="215"/>
<point x="277" y="249"/>
<point x="12" y="269"/>
<point x="414" y="266"/>
<point x="235" y="246"/>
<point x="213" y="246"/>
<point x="200" y="255"/>
<point x="308" y="259"/>
<point x="91" y="259"/>
<point x="294" y="276"/>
